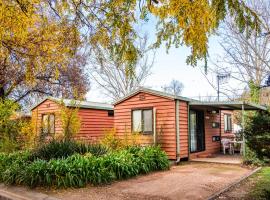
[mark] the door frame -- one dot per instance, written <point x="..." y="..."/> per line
<point x="198" y="121"/>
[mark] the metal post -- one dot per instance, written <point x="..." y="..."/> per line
<point x="154" y="126"/>
<point x="243" y="130"/>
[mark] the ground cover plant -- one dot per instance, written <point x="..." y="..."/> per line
<point x="78" y="165"/>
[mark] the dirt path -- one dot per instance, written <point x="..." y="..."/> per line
<point x="189" y="181"/>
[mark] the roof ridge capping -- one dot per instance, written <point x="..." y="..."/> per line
<point x="77" y="103"/>
<point x="155" y="92"/>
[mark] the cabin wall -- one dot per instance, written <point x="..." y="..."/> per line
<point x="183" y="126"/>
<point x="165" y="120"/>
<point x="94" y="123"/>
<point x="47" y="107"/>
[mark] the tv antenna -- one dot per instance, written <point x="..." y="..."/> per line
<point x="221" y="79"/>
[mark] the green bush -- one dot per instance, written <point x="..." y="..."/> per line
<point x="64" y="148"/>
<point x="257" y="134"/>
<point x="251" y="158"/>
<point x="12" y="160"/>
<point x="78" y="170"/>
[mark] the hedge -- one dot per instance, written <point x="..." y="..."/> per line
<point x="78" y="170"/>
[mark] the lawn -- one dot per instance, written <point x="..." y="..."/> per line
<point x="261" y="189"/>
<point x="255" y="187"/>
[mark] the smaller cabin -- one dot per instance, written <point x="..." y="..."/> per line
<point x="95" y="118"/>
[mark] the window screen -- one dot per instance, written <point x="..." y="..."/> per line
<point x="147" y="120"/>
<point x="45" y="123"/>
<point x="142" y="120"/>
<point x="227" y="122"/>
<point x="48" y="124"/>
<point x="51" y="124"/>
<point x="137" y="120"/>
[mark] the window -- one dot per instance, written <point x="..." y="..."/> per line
<point x="142" y="121"/>
<point x="110" y="113"/>
<point x="227" y="123"/>
<point x="48" y="124"/>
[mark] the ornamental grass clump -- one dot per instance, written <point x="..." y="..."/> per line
<point x="78" y="170"/>
<point x="65" y="148"/>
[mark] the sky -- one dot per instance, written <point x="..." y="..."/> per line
<point x="169" y="66"/>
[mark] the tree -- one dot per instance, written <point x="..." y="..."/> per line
<point x="257" y="134"/>
<point x="39" y="53"/>
<point x="246" y="56"/>
<point x="111" y="74"/>
<point x="180" y="22"/>
<point x="175" y="87"/>
<point x="43" y="35"/>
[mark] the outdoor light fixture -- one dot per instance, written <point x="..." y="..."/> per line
<point x="215" y="125"/>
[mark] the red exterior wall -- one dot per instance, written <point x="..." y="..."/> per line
<point x="183" y="126"/>
<point x="213" y="147"/>
<point x="165" y="119"/>
<point x="46" y="107"/>
<point x="93" y="122"/>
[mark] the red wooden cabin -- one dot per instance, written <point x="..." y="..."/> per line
<point x="185" y="128"/>
<point x="95" y="118"/>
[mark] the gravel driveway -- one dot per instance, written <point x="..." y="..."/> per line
<point x="188" y="181"/>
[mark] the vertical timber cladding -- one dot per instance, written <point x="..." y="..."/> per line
<point x="165" y="121"/>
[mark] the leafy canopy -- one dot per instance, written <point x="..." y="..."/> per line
<point x="42" y="33"/>
<point x="180" y="22"/>
<point x="33" y="41"/>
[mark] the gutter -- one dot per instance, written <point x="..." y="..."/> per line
<point x="177" y="132"/>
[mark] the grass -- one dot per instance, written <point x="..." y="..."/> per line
<point x="261" y="189"/>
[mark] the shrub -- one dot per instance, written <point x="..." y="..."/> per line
<point x="257" y="134"/>
<point x="64" y="148"/>
<point x="251" y="158"/>
<point x="111" y="141"/>
<point x="78" y="170"/>
<point x="13" y="160"/>
<point x="9" y="128"/>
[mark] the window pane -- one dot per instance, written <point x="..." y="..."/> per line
<point x="45" y="123"/>
<point x="147" y="120"/>
<point x="136" y="120"/>
<point x="225" y="122"/>
<point x="51" y="125"/>
<point x="229" y="123"/>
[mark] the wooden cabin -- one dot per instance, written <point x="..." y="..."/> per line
<point x="95" y="118"/>
<point x="185" y="128"/>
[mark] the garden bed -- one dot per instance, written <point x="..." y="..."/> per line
<point x="78" y="167"/>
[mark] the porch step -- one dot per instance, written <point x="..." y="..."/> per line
<point x="205" y="156"/>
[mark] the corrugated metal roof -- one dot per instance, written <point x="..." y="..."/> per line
<point x="229" y="105"/>
<point x="78" y="103"/>
<point x="155" y="92"/>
